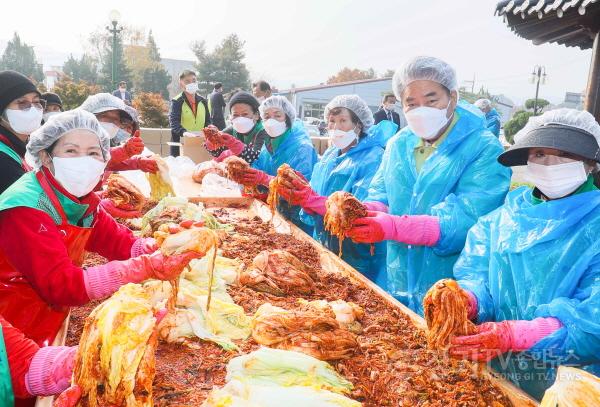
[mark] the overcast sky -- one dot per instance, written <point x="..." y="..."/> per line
<point x="303" y="42"/>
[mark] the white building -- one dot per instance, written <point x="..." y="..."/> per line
<point x="573" y="100"/>
<point x="175" y="67"/>
<point x="311" y="101"/>
<point x="504" y="106"/>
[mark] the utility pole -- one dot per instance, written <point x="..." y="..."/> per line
<point x="472" y="84"/>
<point x="114" y="16"/>
<point x="538" y="75"/>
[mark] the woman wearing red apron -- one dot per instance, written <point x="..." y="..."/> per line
<point x="48" y="219"/>
<point x="21" y="113"/>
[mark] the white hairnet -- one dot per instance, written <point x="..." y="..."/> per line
<point x="58" y="126"/>
<point x="356" y="105"/>
<point x="424" y="69"/>
<point x="133" y="113"/>
<point x="568" y="117"/>
<point x="483" y="103"/>
<point x="103" y="102"/>
<point x="278" y="102"/>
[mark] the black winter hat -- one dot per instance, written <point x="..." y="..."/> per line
<point x="246" y="98"/>
<point x="52" y="99"/>
<point x="13" y="85"/>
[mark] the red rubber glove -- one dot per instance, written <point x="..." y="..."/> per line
<point x="232" y="143"/>
<point x="495" y="338"/>
<point x="224" y="155"/>
<point x="252" y="176"/>
<point x="296" y="191"/>
<point x="147" y="164"/>
<point x="69" y="397"/>
<point x="419" y="230"/>
<point x="135" y="145"/>
<point x="207" y="143"/>
<point x="109" y="206"/>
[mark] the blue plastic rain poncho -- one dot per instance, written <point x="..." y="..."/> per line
<point x="352" y="172"/>
<point x="525" y="261"/>
<point x="461" y="181"/>
<point x="492" y="122"/>
<point x="297" y="151"/>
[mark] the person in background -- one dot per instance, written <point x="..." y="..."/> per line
<point x="246" y="136"/>
<point x="53" y="105"/>
<point x="288" y="143"/>
<point x="21" y="113"/>
<point x="129" y="127"/>
<point x="438" y="175"/>
<point x="348" y="165"/>
<point x="113" y="116"/>
<point x="189" y="111"/>
<point x="388" y="111"/>
<point x="122" y="93"/>
<point x="216" y="105"/>
<point x="531" y="268"/>
<point x="261" y="90"/>
<point x="492" y="117"/>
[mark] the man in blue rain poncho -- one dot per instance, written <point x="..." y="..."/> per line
<point x="492" y="118"/>
<point x="437" y="177"/>
<point x="288" y="143"/>
<point x="348" y="165"/>
<point x="533" y="265"/>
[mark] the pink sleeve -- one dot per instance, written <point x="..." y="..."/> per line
<point x="50" y="370"/>
<point x="110" y="239"/>
<point x="32" y="243"/>
<point x="376" y="206"/>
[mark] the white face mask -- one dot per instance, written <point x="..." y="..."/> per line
<point x="78" y="175"/>
<point x="390" y="108"/>
<point x="274" y="128"/>
<point x="556" y="181"/>
<point x="25" y="121"/>
<point x="342" y="139"/>
<point x="426" y="122"/>
<point x="191" y="88"/>
<point x="111" y="128"/>
<point x="48" y="115"/>
<point x="242" y="124"/>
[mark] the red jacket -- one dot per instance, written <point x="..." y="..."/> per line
<point x="33" y="245"/>
<point x="20" y="351"/>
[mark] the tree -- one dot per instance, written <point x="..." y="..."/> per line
<point x="155" y="78"/>
<point x="347" y="75"/>
<point x="541" y="104"/>
<point x="152" y="109"/>
<point x="224" y="64"/>
<point x="122" y="72"/>
<point x="20" y="57"/>
<point x="73" y="93"/>
<point x="83" y="69"/>
<point x="515" y="124"/>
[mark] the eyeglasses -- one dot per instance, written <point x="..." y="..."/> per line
<point x="26" y="105"/>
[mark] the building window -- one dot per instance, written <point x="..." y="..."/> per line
<point x="313" y="110"/>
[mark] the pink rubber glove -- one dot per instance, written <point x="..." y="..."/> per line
<point x="472" y="312"/>
<point x="295" y="191"/>
<point x="419" y="230"/>
<point x="109" y="206"/>
<point x="224" y="155"/>
<point x="101" y="281"/>
<point x="232" y="143"/>
<point x="146" y="164"/>
<point x="69" y="397"/>
<point x="252" y="176"/>
<point x="50" y="370"/>
<point x="494" y="338"/>
<point x="376" y="206"/>
<point x="143" y="245"/>
<point x="134" y="145"/>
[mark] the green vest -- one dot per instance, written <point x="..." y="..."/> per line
<point x="7" y="397"/>
<point x="188" y="120"/>
<point x="28" y="192"/>
<point x="10" y="152"/>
